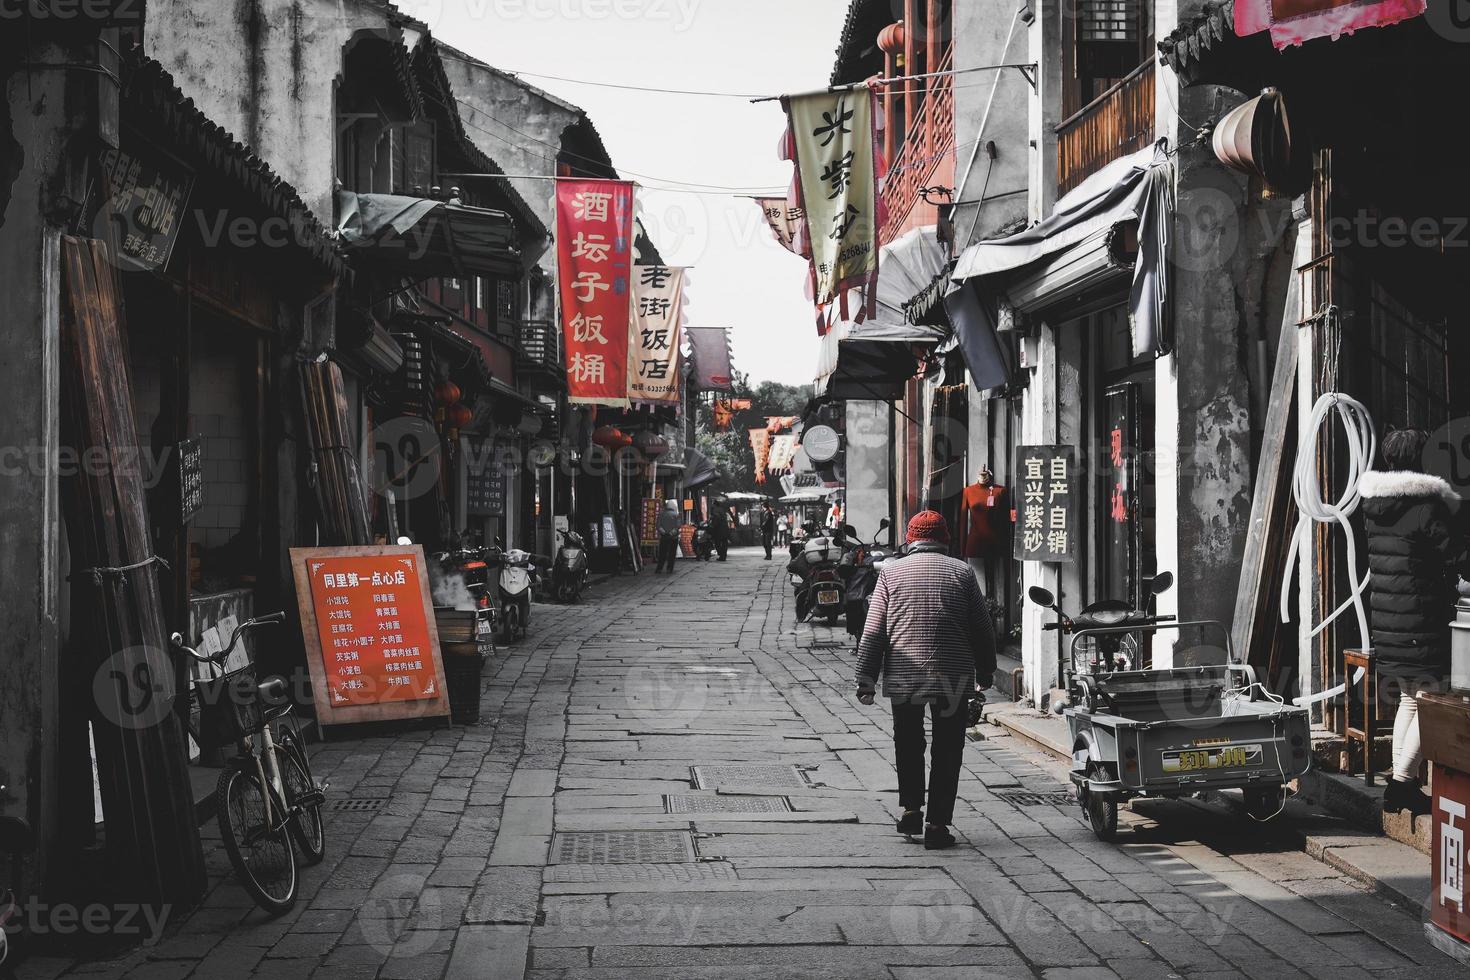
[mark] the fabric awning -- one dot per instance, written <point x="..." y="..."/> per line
<point x="698" y="470"/>
<point x="871" y="360"/>
<point x="423" y="238"/>
<point x="1135" y="188"/>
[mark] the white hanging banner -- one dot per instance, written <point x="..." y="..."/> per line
<point x="654" y="333"/>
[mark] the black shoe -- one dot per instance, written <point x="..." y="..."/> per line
<point x="911" y="823"/>
<point x="938" y="838"/>
<point x="1401" y="794"/>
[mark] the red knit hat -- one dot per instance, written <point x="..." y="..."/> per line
<point x="928" y="525"/>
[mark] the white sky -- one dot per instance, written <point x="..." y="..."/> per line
<point x="741" y="278"/>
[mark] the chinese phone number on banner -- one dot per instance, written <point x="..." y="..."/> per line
<point x="373" y="630"/>
<point x="1047" y="504"/>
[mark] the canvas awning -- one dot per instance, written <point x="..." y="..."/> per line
<point x="424" y="238"/>
<point x="872" y="360"/>
<point x="1071" y="247"/>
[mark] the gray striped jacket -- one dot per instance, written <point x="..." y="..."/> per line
<point x="928" y="632"/>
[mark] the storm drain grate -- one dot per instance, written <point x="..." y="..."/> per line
<point x="1025" y="798"/>
<point x="623" y="847"/>
<point x="357" y="804"/>
<point x="673" y="873"/>
<point x="727" y="804"/>
<point x="712" y="777"/>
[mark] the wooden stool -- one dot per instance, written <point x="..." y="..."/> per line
<point x="1354" y="658"/>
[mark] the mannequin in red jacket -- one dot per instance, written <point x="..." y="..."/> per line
<point x="984" y="518"/>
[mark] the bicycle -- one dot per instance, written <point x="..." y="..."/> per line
<point x="266" y="797"/>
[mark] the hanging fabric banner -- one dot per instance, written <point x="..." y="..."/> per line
<point x="594" y="261"/>
<point x="785" y="220"/>
<point x="833" y="136"/>
<point x="783" y="451"/>
<point x="1293" y="22"/>
<point x="760" y="444"/>
<point x="775" y="423"/>
<point x="711" y="352"/>
<point x="654" y="333"/>
<point x="725" y="409"/>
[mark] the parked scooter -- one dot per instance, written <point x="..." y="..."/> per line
<point x="859" y="569"/>
<point x="704" y="541"/>
<point x="515" y="577"/>
<point x="569" y="571"/>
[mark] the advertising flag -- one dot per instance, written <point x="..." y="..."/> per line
<point x="833" y="136"/>
<point x="594" y="261"/>
<point x="760" y="444"/>
<point x="710" y="347"/>
<point x="785" y="220"/>
<point x="655" y="333"/>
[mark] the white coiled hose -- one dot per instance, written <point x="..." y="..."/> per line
<point x="1305" y="488"/>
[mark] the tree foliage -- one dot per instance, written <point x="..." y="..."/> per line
<point x="730" y="450"/>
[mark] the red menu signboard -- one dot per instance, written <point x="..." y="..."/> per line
<point x="372" y="645"/>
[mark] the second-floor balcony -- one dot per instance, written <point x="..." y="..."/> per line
<point x="1118" y="122"/>
<point x="927" y="141"/>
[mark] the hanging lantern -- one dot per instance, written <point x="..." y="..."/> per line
<point x="448" y="393"/>
<point x="611" y="437"/>
<point x="651" y="444"/>
<point x="459" y="416"/>
<point x="891" y="40"/>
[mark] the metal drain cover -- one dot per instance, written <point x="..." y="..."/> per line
<point x="1024" y="798"/>
<point x="727" y="804"/>
<point x="623" y="847"/>
<point x="678" y="873"/>
<point x="712" y="777"/>
<point x="360" y="804"/>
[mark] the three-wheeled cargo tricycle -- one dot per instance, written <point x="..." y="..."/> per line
<point x="1171" y="732"/>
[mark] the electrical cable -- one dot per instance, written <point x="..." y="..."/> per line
<point x="1313" y="508"/>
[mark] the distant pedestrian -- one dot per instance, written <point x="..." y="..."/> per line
<point x="929" y="635"/>
<point x="768" y="528"/>
<point x="669" y="524"/>
<point x="783" y="530"/>
<point x="719" y="530"/>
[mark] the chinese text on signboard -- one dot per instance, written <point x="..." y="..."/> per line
<point x="1047" y="477"/>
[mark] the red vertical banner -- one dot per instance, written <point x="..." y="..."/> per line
<point x="594" y="261"/>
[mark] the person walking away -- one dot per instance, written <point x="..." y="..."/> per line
<point x="929" y="636"/>
<point x="768" y="528"/>
<point x="719" y="531"/>
<point x="669" y="524"/>
<point x="783" y="527"/>
<point x="1416" y="551"/>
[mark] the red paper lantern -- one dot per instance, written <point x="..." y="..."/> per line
<point x="891" y="39"/>
<point x="460" y="416"/>
<point x="448" y="393"/>
<point x="611" y="437"/>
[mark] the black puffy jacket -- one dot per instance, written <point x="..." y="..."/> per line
<point x="1416" y="551"/>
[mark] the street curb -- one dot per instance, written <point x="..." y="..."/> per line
<point x="1331" y="850"/>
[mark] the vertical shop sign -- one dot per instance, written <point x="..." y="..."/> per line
<point x="594" y="261"/>
<point x="655" y="334"/>
<point x="1048" y="503"/>
<point x="191" y="479"/>
<point x="372" y="646"/>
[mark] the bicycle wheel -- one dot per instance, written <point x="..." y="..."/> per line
<point x="306" y="827"/>
<point x="263" y="857"/>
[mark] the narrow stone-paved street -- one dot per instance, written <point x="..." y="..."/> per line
<point x="566" y="836"/>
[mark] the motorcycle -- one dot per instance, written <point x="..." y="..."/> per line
<point x="819" y="589"/>
<point x="859" y="569"/>
<point x="704" y="541"/>
<point x="569" y="571"/>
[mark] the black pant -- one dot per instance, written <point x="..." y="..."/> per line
<point x="768" y="540"/>
<point x="722" y="547"/>
<point x="950" y="719"/>
<point x="667" y="545"/>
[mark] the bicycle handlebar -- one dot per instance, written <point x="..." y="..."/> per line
<point x="176" y="641"/>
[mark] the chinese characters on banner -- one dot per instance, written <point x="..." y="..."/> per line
<point x="724" y="411"/>
<point x="760" y="444"/>
<point x="833" y="138"/>
<point x="785" y="220"/>
<point x="654" y="336"/>
<point x="1048" y="503"/>
<point x="370" y="641"/>
<point x="594" y="260"/>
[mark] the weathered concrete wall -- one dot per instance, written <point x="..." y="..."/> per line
<point x="266" y="70"/>
<point x="989" y="33"/>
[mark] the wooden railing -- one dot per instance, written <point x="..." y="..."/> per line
<point x="541" y="343"/>
<point x="929" y="137"/>
<point x="1116" y="123"/>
